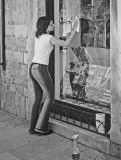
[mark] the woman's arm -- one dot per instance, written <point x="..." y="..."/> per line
<point x="58" y="42"/>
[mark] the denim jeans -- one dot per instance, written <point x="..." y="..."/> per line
<point x="44" y="90"/>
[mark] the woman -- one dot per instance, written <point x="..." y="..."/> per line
<point x="43" y="86"/>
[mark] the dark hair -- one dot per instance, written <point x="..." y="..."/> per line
<point x="84" y="29"/>
<point x="41" y="26"/>
<point x="84" y="25"/>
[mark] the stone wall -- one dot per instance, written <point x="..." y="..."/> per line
<point x="14" y="82"/>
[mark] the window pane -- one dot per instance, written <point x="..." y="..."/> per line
<point x="85" y="64"/>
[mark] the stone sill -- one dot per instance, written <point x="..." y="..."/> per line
<point x="87" y="138"/>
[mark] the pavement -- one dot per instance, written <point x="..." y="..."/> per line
<point x="17" y="144"/>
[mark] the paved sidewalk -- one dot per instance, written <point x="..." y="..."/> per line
<point x="17" y="144"/>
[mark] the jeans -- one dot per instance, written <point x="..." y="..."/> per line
<point x="44" y="96"/>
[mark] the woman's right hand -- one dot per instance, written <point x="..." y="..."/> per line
<point x="76" y="24"/>
<point x="58" y="42"/>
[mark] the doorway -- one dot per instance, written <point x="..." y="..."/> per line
<point x="50" y="16"/>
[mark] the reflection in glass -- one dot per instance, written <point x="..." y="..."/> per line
<point x="86" y="62"/>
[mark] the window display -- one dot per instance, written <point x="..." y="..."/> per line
<point x="85" y="69"/>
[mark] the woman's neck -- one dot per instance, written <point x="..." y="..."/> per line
<point x="47" y="32"/>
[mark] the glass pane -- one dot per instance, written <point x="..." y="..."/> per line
<point x="85" y="64"/>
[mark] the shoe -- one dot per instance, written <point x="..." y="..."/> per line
<point x="43" y="133"/>
<point x="32" y="132"/>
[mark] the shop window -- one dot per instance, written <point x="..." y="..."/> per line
<point x="84" y="73"/>
<point x="86" y="3"/>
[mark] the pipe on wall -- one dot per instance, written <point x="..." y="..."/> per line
<point x="3" y="63"/>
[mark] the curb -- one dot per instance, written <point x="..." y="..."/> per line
<point x="86" y="138"/>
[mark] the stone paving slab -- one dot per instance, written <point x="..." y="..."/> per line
<point x="4" y="116"/>
<point x="47" y="144"/>
<point x="62" y="152"/>
<point x="8" y="120"/>
<point x="17" y="140"/>
<point x="91" y="154"/>
<point x="8" y="156"/>
<point x="4" y="134"/>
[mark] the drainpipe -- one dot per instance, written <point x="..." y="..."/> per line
<point x="3" y="63"/>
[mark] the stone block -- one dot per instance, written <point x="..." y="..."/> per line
<point x="27" y="44"/>
<point x="12" y="88"/>
<point x="18" y="57"/>
<point x="20" y="31"/>
<point x="20" y="6"/>
<point x="14" y="43"/>
<point x="13" y="110"/>
<point x="17" y="111"/>
<point x="8" y="98"/>
<point x="2" y="105"/>
<point x="15" y="67"/>
<point x="19" y="81"/>
<point x="17" y="30"/>
<point x="25" y="5"/>
<point x="22" y="113"/>
<point x="3" y="74"/>
<point x="19" y="89"/>
<point x="10" y="109"/>
<point x="11" y="43"/>
<point x="25" y="58"/>
<point x="9" y="30"/>
<point x="22" y="44"/>
<point x="8" y="77"/>
<point x="15" y="17"/>
<point x="8" y="66"/>
<point x="28" y="109"/>
<point x="23" y="71"/>
<point x="20" y="102"/>
<point x="12" y="99"/>
<point x="8" y="42"/>
<point x="23" y="19"/>
<point x="10" y="5"/>
<point x="41" y="7"/>
<point x="115" y="150"/>
<point x="8" y="17"/>
<point x="3" y="91"/>
<point x="26" y="82"/>
<point x="26" y="90"/>
<point x="28" y="116"/>
<point x="23" y="103"/>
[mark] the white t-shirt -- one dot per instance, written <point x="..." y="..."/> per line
<point x="43" y="48"/>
